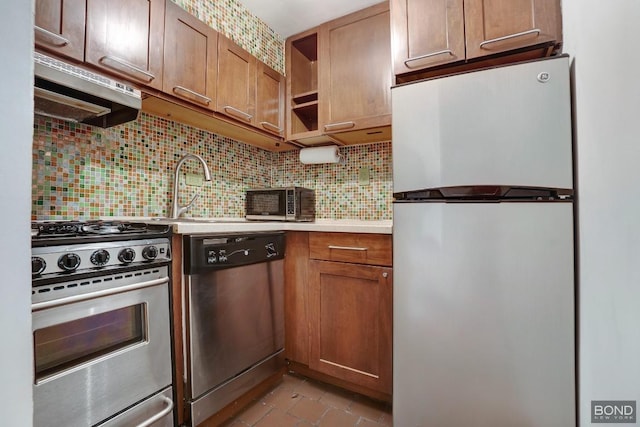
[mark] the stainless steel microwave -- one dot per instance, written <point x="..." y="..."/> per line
<point x="281" y="204"/>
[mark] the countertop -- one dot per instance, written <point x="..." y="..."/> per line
<point x="232" y="225"/>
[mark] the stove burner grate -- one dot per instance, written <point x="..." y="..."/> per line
<point x="55" y="229"/>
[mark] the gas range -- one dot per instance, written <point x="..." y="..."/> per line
<point x="64" y="249"/>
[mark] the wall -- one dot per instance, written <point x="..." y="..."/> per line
<point x="85" y="172"/>
<point x="16" y="74"/>
<point x="81" y="171"/>
<point x="339" y="193"/>
<point x="601" y="38"/>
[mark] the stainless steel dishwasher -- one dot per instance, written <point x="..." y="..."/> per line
<point x="233" y="317"/>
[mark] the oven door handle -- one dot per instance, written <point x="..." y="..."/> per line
<point x="167" y="401"/>
<point x="76" y="298"/>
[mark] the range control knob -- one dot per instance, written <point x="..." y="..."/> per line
<point x="150" y="253"/>
<point x="37" y="265"/>
<point x="69" y="262"/>
<point x="100" y="257"/>
<point x="127" y="255"/>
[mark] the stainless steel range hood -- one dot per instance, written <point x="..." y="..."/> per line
<point x="70" y="93"/>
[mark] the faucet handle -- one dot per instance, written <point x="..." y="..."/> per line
<point x="193" y="199"/>
<point x="183" y="209"/>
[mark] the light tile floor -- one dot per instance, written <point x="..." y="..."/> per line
<point x="301" y="402"/>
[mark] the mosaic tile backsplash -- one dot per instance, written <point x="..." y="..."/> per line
<point x="82" y="172"/>
<point x="232" y="19"/>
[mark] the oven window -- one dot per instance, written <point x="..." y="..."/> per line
<point x="65" y="345"/>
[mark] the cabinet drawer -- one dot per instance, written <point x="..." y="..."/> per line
<point x="373" y="249"/>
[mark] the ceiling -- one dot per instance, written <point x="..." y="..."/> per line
<point x="288" y="17"/>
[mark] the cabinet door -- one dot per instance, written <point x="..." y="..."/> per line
<point x="190" y="57"/>
<point x="356" y="74"/>
<point x="426" y="33"/>
<point x="126" y="37"/>
<point x="236" y="88"/>
<point x="494" y="26"/>
<point x="60" y="27"/>
<point x="270" y="100"/>
<point x="350" y="310"/>
<point x="296" y="297"/>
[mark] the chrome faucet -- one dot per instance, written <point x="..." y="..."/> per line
<point x="176" y="209"/>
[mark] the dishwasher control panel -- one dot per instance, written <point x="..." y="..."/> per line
<point x="206" y="252"/>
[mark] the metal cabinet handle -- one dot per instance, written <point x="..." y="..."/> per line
<point x="160" y="414"/>
<point x="56" y="39"/>
<point x="198" y="96"/>
<point x="125" y="67"/>
<point x="271" y="127"/>
<point x="428" y="55"/>
<point x="510" y="36"/>
<point x="339" y="126"/>
<point x="385" y="274"/>
<point x="347" y="248"/>
<point x="237" y="113"/>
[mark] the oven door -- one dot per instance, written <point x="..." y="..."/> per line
<point x="99" y="354"/>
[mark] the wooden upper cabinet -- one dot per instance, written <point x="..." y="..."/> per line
<point x="236" y="87"/>
<point x="126" y="37"/>
<point x="301" y="62"/>
<point x="494" y="26"/>
<point x="270" y="99"/>
<point x="59" y="27"/>
<point x="426" y="33"/>
<point x="355" y="71"/>
<point x="431" y="34"/>
<point x="190" y="57"/>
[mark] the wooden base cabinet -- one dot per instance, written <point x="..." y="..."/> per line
<point x="338" y="309"/>
<point x="350" y="318"/>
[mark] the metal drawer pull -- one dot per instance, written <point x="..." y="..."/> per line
<point x="428" y="55"/>
<point x="339" y="126"/>
<point x="125" y="67"/>
<point x="199" y="97"/>
<point x="57" y="40"/>
<point x="237" y="113"/>
<point x="271" y="127"/>
<point x="347" y="248"/>
<point x="510" y="36"/>
<point x="160" y="414"/>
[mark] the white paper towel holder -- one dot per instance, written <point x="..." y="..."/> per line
<point x="321" y="155"/>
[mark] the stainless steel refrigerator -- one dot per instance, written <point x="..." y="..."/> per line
<point x="483" y="246"/>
